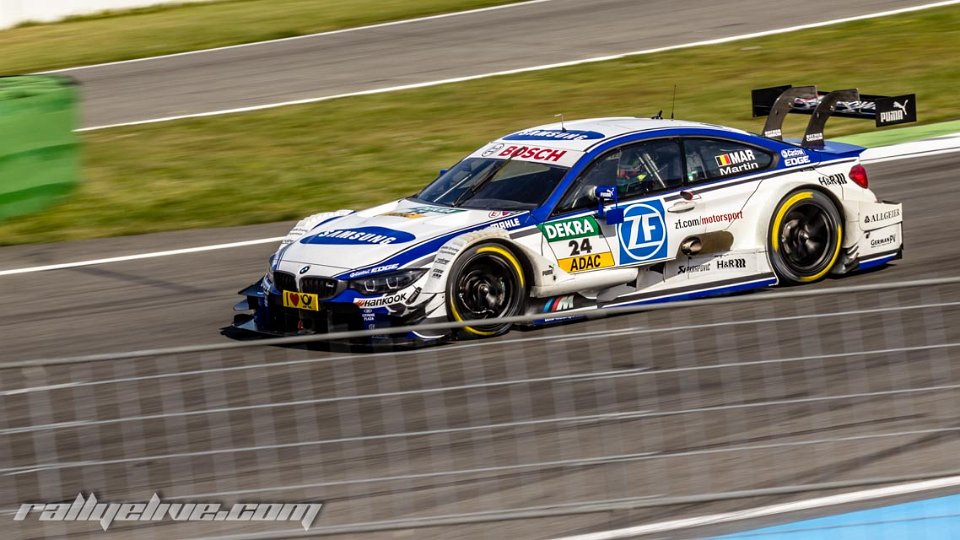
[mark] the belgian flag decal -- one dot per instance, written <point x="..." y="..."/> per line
<point x="723" y="160"/>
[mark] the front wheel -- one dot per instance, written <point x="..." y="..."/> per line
<point x="486" y="282"/>
<point x="805" y="237"/>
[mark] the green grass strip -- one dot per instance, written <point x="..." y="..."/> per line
<point x="33" y="199"/>
<point x="288" y="162"/>
<point x="176" y="28"/>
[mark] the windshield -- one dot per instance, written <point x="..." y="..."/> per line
<point x="494" y="184"/>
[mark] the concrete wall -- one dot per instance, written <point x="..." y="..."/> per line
<point x="14" y="12"/>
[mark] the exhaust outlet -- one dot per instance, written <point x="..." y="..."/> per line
<point x="691" y="246"/>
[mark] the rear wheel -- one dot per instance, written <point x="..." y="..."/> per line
<point x="805" y="237"/>
<point x="486" y="282"/>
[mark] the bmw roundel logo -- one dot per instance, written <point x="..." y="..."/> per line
<point x="305" y="269"/>
<point x="643" y="233"/>
<point x="492" y="150"/>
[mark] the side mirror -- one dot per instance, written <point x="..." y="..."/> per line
<point x="604" y="195"/>
<point x="442" y="172"/>
<point x="615" y="216"/>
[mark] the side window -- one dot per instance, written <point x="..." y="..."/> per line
<point x="708" y="159"/>
<point x="636" y="170"/>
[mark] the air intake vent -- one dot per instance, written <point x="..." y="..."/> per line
<point x="285" y="281"/>
<point x="322" y="287"/>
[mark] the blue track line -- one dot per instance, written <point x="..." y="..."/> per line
<point x="929" y="519"/>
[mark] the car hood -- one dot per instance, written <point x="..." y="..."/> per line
<point x="373" y="236"/>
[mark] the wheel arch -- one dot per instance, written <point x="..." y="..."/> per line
<point x="778" y="195"/>
<point x="502" y="248"/>
<point x="454" y="248"/>
<point x="837" y="201"/>
<point x="785" y="195"/>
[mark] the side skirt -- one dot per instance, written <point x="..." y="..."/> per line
<point x="691" y="292"/>
<point x="879" y="260"/>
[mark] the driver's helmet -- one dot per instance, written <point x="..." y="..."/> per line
<point x="630" y="168"/>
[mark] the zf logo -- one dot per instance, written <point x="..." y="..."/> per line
<point x="643" y="234"/>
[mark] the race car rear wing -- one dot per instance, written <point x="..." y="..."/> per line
<point x="775" y="103"/>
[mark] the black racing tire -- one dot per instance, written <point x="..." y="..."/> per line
<point x="486" y="282"/>
<point x="805" y="236"/>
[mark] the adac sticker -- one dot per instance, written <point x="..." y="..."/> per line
<point x="583" y="263"/>
<point x="359" y="235"/>
<point x="643" y="233"/>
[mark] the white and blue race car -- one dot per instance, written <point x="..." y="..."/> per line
<point x="589" y="214"/>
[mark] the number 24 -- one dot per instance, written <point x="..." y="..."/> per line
<point x="576" y="248"/>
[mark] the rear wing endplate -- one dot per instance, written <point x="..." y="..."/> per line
<point x="775" y="103"/>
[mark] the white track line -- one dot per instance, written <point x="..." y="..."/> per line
<point x="764" y="511"/>
<point x="305" y="36"/>
<point x="139" y="256"/>
<point x="542" y="67"/>
<point x="45" y="388"/>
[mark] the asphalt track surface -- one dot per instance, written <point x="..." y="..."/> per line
<point x="710" y="416"/>
<point x="430" y="50"/>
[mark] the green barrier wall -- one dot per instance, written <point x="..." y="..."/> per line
<point x="39" y="153"/>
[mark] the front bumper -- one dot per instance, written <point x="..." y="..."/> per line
<point x="270" y="318"/>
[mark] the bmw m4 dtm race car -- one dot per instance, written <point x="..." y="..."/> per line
<point x="569" y="217"/>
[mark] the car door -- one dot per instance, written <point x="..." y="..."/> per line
<point x="720" y="179"/>
<point x="636" y="228"/>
